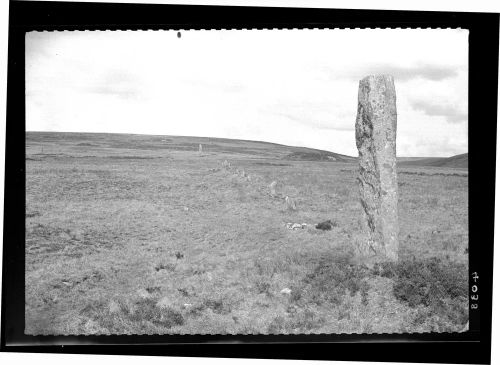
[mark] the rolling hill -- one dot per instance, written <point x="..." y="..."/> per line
<point x="256" y="149"/>
<point x="457" y="161"/>
<point x="82" y="142"/>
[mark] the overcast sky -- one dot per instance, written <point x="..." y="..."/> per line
<point x="296" y="87"/>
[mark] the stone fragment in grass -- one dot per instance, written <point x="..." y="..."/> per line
<point x="143" y="294"/>
<point x="67" y="283"/>
<point x="295" y="226"/>
<point x="272" y="188"/>
<point x="290" y="203"/>
<point x="286" y="291"/>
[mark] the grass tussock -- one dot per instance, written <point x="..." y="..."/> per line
<point x="141" y="316"/>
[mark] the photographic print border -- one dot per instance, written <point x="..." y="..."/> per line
<point x="472" y="346"/>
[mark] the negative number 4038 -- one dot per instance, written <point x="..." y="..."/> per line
<point x="475" y="296"/>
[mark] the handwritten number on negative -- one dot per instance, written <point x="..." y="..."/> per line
<point x="474" y="297"/>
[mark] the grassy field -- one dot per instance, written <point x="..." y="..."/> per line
<point x="144" y="234"/>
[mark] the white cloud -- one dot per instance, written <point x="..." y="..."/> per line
<point x="289" y="86"/>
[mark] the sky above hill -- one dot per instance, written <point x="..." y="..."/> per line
<point x="295" y="87"/>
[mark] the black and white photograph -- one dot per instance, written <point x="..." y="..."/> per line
<point x="285" y="181"/>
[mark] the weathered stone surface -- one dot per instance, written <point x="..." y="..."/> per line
<point x="290" y="203"/>
<point x="376" y="125"/>
<point x="272" y="188"/>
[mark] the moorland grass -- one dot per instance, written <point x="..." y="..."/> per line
<point x="175" y="243"/>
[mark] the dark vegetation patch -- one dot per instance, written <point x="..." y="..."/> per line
<point x="436" y="288"/>
<point x="77" y="156"/>
<point x="326" y="225"/>
<point x="300" y="321"/>
<point x="46" y="232"/>
<point x="85" y="144"/>
<point x="217" y="306"/>
<point x="271" y="164"/>
<point x="426" y="281"/>
<point x="131" y="157"/>
<point x="263" y="287"/>
<point x="89" y="280"/>
<point x="43" y="238"/>
<point x="330" y="280"/>
<point x="153" y="289"/>
<point x="139" y="316"/>
<point x="43" y="155"/>
<point x="440" y="285"/>
<point x="422" y="173"/>
<point x="168" y="267"/>
<point x="33" y="214"/>
<point x="419" y="173"/>
<point x="62" y="136"/>
<point x="314" y="156"/>
<point x="57" y="155"/>
<point x="92" y="185"/>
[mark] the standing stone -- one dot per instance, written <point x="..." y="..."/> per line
<point x="272" y="188"/>
<point x="200" y="148"/>
<point x="290" y="203"/>
<point x="376" y="141"/>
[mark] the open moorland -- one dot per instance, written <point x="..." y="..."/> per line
<point x="146" y="234"/>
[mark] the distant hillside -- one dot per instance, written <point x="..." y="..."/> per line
<point x="253" y="149"/>
<point x="318" y="155"/>
<point x="458" y="161"/>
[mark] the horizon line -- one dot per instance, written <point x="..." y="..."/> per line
<point x="234" y="139"/>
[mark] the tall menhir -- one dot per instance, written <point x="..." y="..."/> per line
<point x="376" y="125"/>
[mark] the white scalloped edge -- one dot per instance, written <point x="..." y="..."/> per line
<point x="201" y="28"/>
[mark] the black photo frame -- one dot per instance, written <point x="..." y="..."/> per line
<point x="472" y="346"/>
